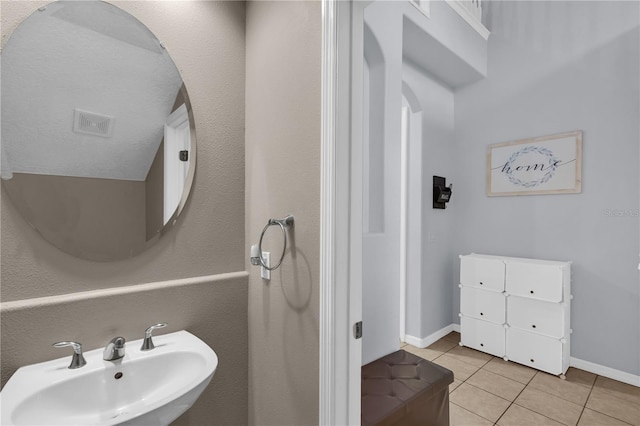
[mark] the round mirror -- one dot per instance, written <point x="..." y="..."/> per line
<point x="98" y="139"/>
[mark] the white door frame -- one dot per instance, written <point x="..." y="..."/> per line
<point x="177" y="137"/>
<point x="341" y="211"/>
<point x="404" y="206"/>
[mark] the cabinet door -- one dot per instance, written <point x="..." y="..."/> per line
<point x="537" y="316"/>
<point x="534" y="350"/>
<point x="534" y="280"/>
<point x="482" y="304"/>
<point x="482" y="335"/>
<point x="482" y="272"/>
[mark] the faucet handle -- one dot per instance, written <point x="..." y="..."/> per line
<point x="147" y="344"/>
<point x="77" y="360"/>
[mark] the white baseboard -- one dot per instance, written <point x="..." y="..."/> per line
<point x="432" y="338"/>
<point x="591" y="367"/>
<point x="602" y="370"/>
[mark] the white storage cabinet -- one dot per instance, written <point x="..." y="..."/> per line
<point x="517" y="309"/>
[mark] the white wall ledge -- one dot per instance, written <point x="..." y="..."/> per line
<point x="116" y="291"/>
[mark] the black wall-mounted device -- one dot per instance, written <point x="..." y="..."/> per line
<point x="441" y="192"/>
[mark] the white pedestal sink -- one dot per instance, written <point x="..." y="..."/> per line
<point x="143" y="388"/>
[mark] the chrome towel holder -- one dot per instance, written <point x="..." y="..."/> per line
<point x="256" y="252"/>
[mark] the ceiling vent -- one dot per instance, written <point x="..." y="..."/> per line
<point x="93" y="124"/>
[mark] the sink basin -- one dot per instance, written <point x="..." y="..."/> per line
<point x="143" y="388"/>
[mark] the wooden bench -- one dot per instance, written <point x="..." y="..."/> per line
<point x="404" y="389"/>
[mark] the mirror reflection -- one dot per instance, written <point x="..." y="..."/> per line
<point x="98" y="142"/>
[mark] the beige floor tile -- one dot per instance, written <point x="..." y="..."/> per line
<point x="425" y="353"/>
<point x="549" y="405"/>
<point x="564" y="389"/>
<point x="593" y="418"/>
<point x="442" y="345"/>
<point x="520" y="416"/>
<point x="580" y="377"/>
<point x="618" y="389"/>
<point x="454" y="336"/>
<point x="496" y="384"/>
<point x="454" y="385"/>
<point x="461" y="370"/>
<point x="470" y="356"/>
<point x="605" y="402"/>
<point x="479" y="402"/>
<point x="458" y="416"/>
<point x="514" y="371"/>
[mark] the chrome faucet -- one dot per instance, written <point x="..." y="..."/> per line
<point x="114" y="350"/>
<point x="147" y="344"/>
<point x="77" y="360"/>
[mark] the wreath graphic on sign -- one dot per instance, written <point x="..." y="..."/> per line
<point x="547" y="153"/>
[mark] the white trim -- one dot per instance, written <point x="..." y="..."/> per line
<point x="404" y="200"/>
<point x="350" y="170"/>
<point x="328" y="343"/>
<point x="469" y="18"/>
<point x="591" y="367"/>
<point x="341" y="212"/>
<point x="177" y="137"/>
<point x="602" y="370"/>
<point x="432" y="338"/>
<point x="17" y="305"/>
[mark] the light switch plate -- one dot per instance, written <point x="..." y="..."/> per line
<point x="264" y="272"/>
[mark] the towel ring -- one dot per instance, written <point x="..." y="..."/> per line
<point x="283" y="224"/>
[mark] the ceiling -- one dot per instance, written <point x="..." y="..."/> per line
<point x="91" y="56"/>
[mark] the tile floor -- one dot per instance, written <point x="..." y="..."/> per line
<point x="490" y="391"/>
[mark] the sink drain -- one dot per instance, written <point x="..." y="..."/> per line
<point x="118" y="375"/>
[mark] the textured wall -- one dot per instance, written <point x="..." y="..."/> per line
<point x="208" y="238"/>
<point x="283" y="177"/>
<point x="213" y="308"/>
<point x="66" y="210"/>
<point x="207" y="42"/>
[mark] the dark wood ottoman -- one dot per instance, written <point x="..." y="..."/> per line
<point x="404" y="389"/>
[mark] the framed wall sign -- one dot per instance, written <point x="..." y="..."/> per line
<point x="544" y="165"/>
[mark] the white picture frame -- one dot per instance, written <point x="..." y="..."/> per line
<point x="544" y="165"/>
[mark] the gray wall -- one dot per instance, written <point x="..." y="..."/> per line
<point x="423" y="59"/>
<point x="557" y="67"/>
<point x="283" y="177"/>
<point x="208" y="238"/>
<point x="205" y="250"/>
<point x="428" y="300"/>
<point x="65" y="210"/>
<point x="213" y="308"/>
<point x="381" y="244"/>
